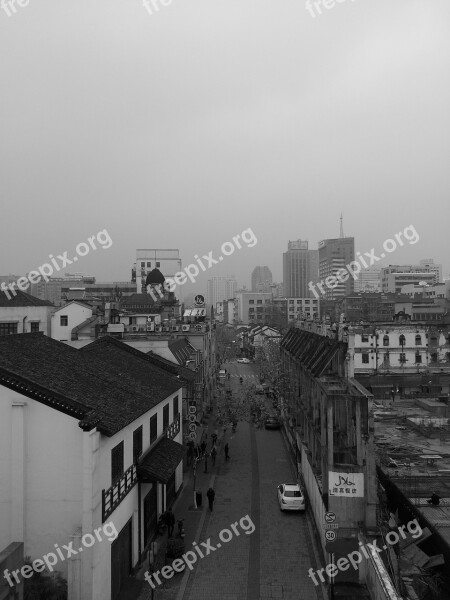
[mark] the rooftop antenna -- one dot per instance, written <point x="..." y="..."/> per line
<point x="342" y="229"/>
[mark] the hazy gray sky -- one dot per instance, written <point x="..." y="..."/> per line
<point x="182" y="128"/>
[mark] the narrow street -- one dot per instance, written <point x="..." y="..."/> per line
<point x="268" y="552"/>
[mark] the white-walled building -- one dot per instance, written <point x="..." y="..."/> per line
<point x="23" y="313"/>
<point x="90" y="441"/>
<point x="219" y="289"/>
<point x="68" y="317"/>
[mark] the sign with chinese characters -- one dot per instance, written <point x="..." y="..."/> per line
<point x="350" y="485"/>
<point x="199" y="300"/>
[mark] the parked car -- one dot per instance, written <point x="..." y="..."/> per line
<point x="272" y="423"/>
<point x="244" y="361"/>
<point x="290" y="497"/>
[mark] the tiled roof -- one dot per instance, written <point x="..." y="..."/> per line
<point x="160" y="463"/>
<point x="315" y="352"/>
<point x="110" y="346"/>
<point x="21" y="299"/>
<point x="181" y="349"/>
<point x="105" y="386"/>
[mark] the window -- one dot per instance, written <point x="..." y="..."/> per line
<point x="251" y="302"/>
<point x="418" y="340"/>
<point x="137" y="443"/>
<point x="116" y="462"/>
<point x="402" y="358"/>
<point x="176" y="409"/>
<point x="418" y="357"/>
<point x="158" y="264"/>
<point x="149" y="265"/>
<point x="386" y="340"/>
<point x="315" y="302"/>
<point x="34" y="327"/>
<point x="7" y="328"/>
<point x="143" y="265"/>
<point x="291" y="301"/>
<point x="153" y="428"/>
<point x="251" y="310"/>
<point x="166" y="416"/>
<point x="364" y="337"/>
<point x="365" y="358"/>
<point x="402" y="340"/>
<point x="259" y="302"/>
<point x="64" y="320"/>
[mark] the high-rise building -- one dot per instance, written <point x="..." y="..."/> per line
<point x="261" y="279"/>
<point x="300" y="266"/>
<point x="335" y="254"/>
<point x="219" y="289"/>
<point x="168" y="261"/>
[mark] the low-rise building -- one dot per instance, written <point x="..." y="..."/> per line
<point x="23" y="313"/>
<point x="92" y="454"/>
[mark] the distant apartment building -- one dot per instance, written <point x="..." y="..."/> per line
<point x="52" y="290"/>
<point x="298" y="308"/>
<point x="277" y="290"/>
<point x="261" y="279"/>
<point x="433" y="267"/>
<point x="168" y="261"/>
<point x="251" y="307"/>
<point x="368" y="280"/>
<point x="300" y="266"/>
<point x="335" y="254"/>
<point x="394" y="277"/>
<point x="219" y="289"/>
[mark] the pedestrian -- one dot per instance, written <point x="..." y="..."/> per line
<point x="203" y="447"/>
<point x="210" y="494"/>
<point x="170" y="520"/>
<point x="227" y="456"/>
<point x="214" y="438"/>
<point x="213" y="456"/>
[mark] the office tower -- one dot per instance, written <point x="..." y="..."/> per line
<point x="261" y="279"/>
<point x="433" y="268"/>
<point x="167" y="261"/>
<point x="219" y="289"/>
<point x="300" y="266"/>
<point x="335" y="254"/>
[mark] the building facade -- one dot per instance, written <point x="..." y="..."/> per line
<point x="168" y="261"/>
<point x="394" y="277"/>
<point x="334" y="255"/>
<point x="250" y="308"/>
<point x="219" y="289"/>
<point x="300" y="266"/>
<point x="261" y="279"/>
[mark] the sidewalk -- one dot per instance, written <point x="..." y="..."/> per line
<point x="194" y="518"/>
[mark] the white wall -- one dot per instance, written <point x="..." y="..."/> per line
<point x="76" y="314"/>
<point x="41" y="314"/>
<point x="52" y="475"/>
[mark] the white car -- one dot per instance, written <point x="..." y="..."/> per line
<point x="245" y="361"/>
<point x="290" y="497"/>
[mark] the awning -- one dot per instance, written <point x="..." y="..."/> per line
<point x="160" y="463"/>
<point x="187" y="313"/>
<point x="198" y="312"/>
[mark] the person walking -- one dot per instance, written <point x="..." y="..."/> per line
<point x="227" y="456"/>
<point x="170" y="520"/>
<point x="203" y="447"/>
<point x="211" y="495"/>
<point x="213" y="456"/>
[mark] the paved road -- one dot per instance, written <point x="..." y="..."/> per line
<point x="273" y="560"/>
<point x="263" y="552"/>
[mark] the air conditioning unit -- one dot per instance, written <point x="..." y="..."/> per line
<point x="150" y="326"/>
<point x="175" y="328"/>
<point x="185" y="327"/>
<point x="134" y="328"/>
<point x="166" y="328"/>
<point x="198" y="327"/>
<point x="158" y="328"/>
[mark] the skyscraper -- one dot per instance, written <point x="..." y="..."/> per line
<point x="334" y="254"/>
<point x="261" y="278"/>
<point x="300" y="266"/>
<point x="219" y="289"/>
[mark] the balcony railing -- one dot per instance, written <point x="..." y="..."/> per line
<point x="113" y="497"/>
